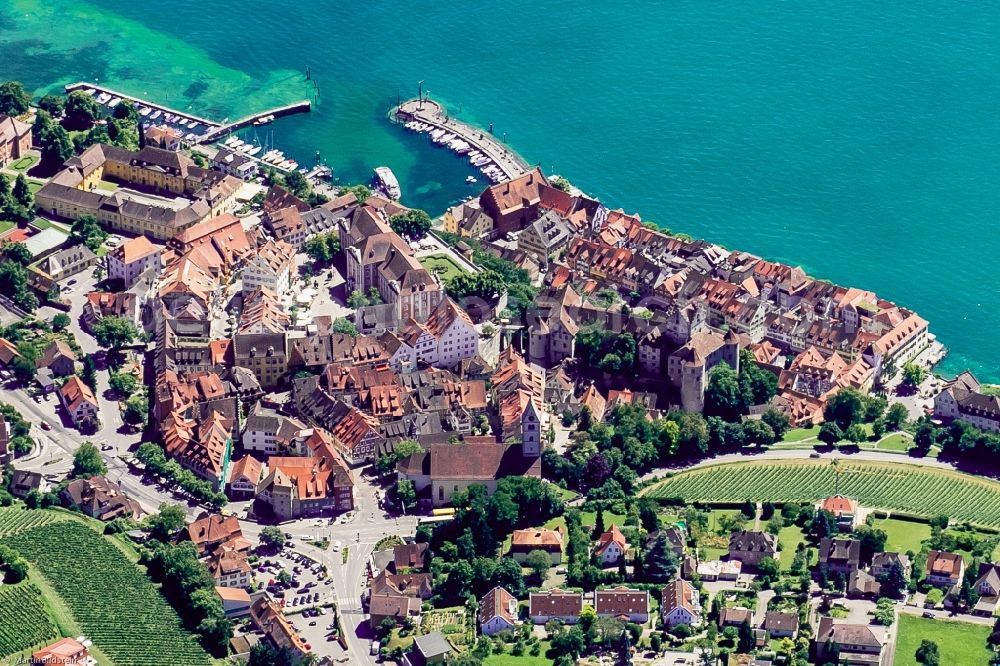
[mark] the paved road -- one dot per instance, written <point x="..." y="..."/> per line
<point x="359" y="536"/>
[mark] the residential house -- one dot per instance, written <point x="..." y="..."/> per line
<point x="229" y="567"/>
<point x="861" y="584"/>
<point x="131" y="259"/>
<point x="848" y="644"/>
<point x="545" y="540"/>
<point x="780" y="624"/>
<point x="235" y="601"/>
<point x="210" y="531"/>
<point x="62" y="652"/>
<point x="988" y="586"/>
<point x="712" y="570"/>
<point x="270" y="433"/>
<point x="101" y="498"/>
<point x="79" y="401"/>
<point x="611" y="547"/>
<point x="269" y="619"/>
<point x="963" y="398"/>
<point x="407" y="556"/>
<point x="59" y="358"/>
<point x="497" y="612"/>
<point x="944" y="569"/>
<point x="546" y="236"/>
<point x="514" y="204"/>
<point x="735" y="616"/>
<point x="357" y="437"/>
<point x="432" y="648"/>
<point x="447" y="338"/>
<point x="555" y="604"/>
<point x="273" y="267"/>
<point x="244" y="477"/>
<point x="6" y="451"/>
<point x="235" y="164"/>
<point x="840" y="555"/>
<point x="301" y="486"/>
<point x="163" y="136"/>
<point x="844" y="510"/>
<point x="22" y="482"/>
<point x="15" y="139"/>
<point x="674" y="536"/>
<point x="680" y="604"/>
<point x="883" y="564"/>
<point x="391" y="606"/>
<point x="752" y="546"/>
<point x="623" y="603"/>
<point x="65" y="263"/>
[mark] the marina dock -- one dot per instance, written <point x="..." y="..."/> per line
<point x="304" y="106"/>
<point x="96" y="90"/>
<point x="432" y="113"/>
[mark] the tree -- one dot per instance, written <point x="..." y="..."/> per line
<point x="322" y="247"/>
<point x="856" y="433"/>
<point x="361" y="192"/>
<point x="844" y="407"/>
<point x="661" y="562"/>
<point x="928" y="654"/>
<point x="722" y="395"/>
<point x="895" y="418"/>
<point x="14" y="99"/>
<point x="755" y="431"/>
<point x="17" y="252"/>
<point x="125" y="110"/>
<point x="893" y="583"/>
<point x="114" y="332"/>
<point x="539" y="562"/>
<point x="52" y="104"/>
<point x="137" y="408"/>
<point x="53" y="140"/>
<point x="86" y="230"/>
<point x="968" y="593"/>
<point x="297" y="184"/>
<point x="386" y="464"/>
<point x="599" y="522"/>
<point x="199" y="159"/>
<point x="81" y="111"/>
<point x="830" y="433"/>
<point x="123" y="383"/>
<point x="934" y="597"/>
<point x="167" y="521"/>
<point x="778" y="421"/>
<point x="345" y="327"/>
<point x="913" y="374"/>
<point x="414" y="223"/>
<point x="872" y="541"/>
<point x="22" y="193"/>
<point x="87" y="462"/>
<point x="60" y="322"/>
<point x="885" y="612"/>
<point x="768" y="571"/>
<point x="271" y="537"/>
<point x="406" y="493"/>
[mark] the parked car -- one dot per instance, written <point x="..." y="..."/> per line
<point x="46" y="425"/>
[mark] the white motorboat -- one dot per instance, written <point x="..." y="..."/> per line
<point x="253" y="151"/>
<point x="144" y="111"/>
<point x="471" y="180"/>
<point x="115" y="101"/>
<point x="386" y="181"/>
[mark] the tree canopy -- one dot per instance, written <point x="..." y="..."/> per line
<point x="114" y="332"/>
<point x="87" y="462"/>
<point x="414" y="223"/>
<point x="14" y="99"/>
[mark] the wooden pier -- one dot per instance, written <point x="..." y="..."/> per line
<point x="433" y="113"/>
<point x="305" y="106"/>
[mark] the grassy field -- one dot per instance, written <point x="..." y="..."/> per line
<point x="105" y="185"/>
<point x="524" y="660"/>
<point x="35" y="185"/>
<point x="895" y="442"/>
<point x="789" y="538"/>
<point x="5" y="225"/>
<point x="800" y="434"/>
<point x="959" y="643"/>
<point x="897" y="486"/>
<point x="903" y="535"/>
<point x="442" y="265"/>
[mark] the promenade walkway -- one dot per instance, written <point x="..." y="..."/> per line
<point x="431" y="112"/>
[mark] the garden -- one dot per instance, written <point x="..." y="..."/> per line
<point x="441" y="265"/>
<point x="910" y="488"/>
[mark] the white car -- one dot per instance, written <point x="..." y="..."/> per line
<point x="337" y="546"/>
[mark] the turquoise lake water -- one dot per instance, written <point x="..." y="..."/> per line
<point x="859" y="140"/>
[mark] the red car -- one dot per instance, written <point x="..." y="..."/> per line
<point x="46" y="426"/>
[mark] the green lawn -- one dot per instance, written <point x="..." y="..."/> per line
<point x="589" y="519"/>
<point x="959" y="643"/>
<point x="789" y="537"/>
<point x="903" y="535"/>
<point x="441" y="265"/>
<point x="24" y="163"/>
<point x="35" y="185"/>
<point x="895" y="442"/>
<point x="799" y="434"/>
<point x="105" y="185"/>
<point x="5" y="225"/>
